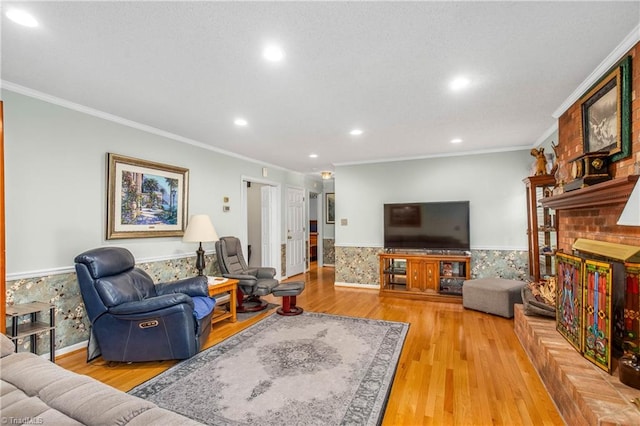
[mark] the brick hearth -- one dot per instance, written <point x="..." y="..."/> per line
<point x="583" y="393"/>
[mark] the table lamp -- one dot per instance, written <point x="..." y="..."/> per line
<point x="199" y="230"/>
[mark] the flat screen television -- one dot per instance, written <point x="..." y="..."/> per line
<point x="427" y="226"/>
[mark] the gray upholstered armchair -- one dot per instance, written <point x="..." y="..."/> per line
<point x="252" y="282"/>
<point x="132" y="319"/>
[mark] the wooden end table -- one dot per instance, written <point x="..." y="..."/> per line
<point x="219" y="285"/>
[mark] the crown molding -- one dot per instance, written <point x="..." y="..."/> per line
<point x="551" y="130"/>
<point x="629" y="41"/>
<point x="443" y="155"/>
<point x="13" y="87"/>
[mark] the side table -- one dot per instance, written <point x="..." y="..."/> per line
<point x="33" y="327"/>
<point x="224" y="285"/>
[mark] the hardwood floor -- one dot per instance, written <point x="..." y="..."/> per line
<point x="457" y="367"/>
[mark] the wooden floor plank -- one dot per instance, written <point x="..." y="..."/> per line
<point x="457" y="366"/>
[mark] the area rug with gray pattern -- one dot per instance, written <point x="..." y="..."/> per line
<point x="310" y="369"/>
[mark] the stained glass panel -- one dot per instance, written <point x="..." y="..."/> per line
<point x="597" y="310"/>
<point x="569" y="299"/>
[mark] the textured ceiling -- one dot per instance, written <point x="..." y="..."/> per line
<point x="190" y="68"/>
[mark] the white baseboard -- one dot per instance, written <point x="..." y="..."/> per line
<point x="353" y="285"/>
<point x="66" y="350"/>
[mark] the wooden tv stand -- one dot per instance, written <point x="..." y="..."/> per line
<point x="427" y="276"/>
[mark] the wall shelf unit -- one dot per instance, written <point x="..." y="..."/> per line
<point x="424" y="276"/>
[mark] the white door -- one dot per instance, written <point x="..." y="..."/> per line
<point x="295" y="232"/>
<point x="270" y="218"/>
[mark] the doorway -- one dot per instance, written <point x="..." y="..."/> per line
<point x="314" y="207"/>
<point x="262" y="216"/>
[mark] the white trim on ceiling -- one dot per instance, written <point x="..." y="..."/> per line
<point x="448" y="154"/>
<point x="13" y="87"/>
<point x="4" y="84"/>
<point x="545" y="135"/>
<point x="613" y="57"/>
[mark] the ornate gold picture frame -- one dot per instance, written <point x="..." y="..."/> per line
<point x="145" y="199"/>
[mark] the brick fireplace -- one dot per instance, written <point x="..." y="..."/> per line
<point x="595" y="223"/>
<point x="594" y="220"/>
<point x="584" y="393"/>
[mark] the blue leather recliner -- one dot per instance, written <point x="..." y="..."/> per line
<point x="134" y="320"/>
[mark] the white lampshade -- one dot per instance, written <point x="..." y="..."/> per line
<point x="200" y="229"/>
<point x="631" y="214"/>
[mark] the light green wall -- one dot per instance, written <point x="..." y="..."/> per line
<point x="491" y="182"/>
<point x="55" y="171"/>
<point x="55" y="174"/>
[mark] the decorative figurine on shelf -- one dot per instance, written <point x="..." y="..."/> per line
<point x="541" y="161"/>
<point x="561" y="178"/>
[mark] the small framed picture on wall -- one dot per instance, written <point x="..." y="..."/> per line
<point x="330" y="207"/>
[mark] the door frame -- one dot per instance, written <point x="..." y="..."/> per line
<point x="275" y="222"/>
<point x="3" y="263"/>
<point x="320" y="216"/>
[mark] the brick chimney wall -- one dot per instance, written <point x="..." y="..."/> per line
<point x="598" y="223"/>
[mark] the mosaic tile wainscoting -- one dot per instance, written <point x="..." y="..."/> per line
<point x="283" y="259"/>
<point x="328" y="251"/>
<point x="61" y="289"/>
<point x="508" y="264"/>
<point x="359" y="266"/>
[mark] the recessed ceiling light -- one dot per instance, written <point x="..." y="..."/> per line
<point x="273" y="53"/>
<point x="456" y="140"/>
<point x="459" y="83"/>
<point x="313" y="155"/>
<point x="21" y="17"/>
<point x="355" y="132"/>
<point x="240" y="122"/>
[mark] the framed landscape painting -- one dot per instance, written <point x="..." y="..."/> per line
<point x="145" y="199"/>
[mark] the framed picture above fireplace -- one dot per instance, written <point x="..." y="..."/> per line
<point x="606" y="113"/>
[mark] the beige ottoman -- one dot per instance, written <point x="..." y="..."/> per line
<point x="492" y="295"/>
